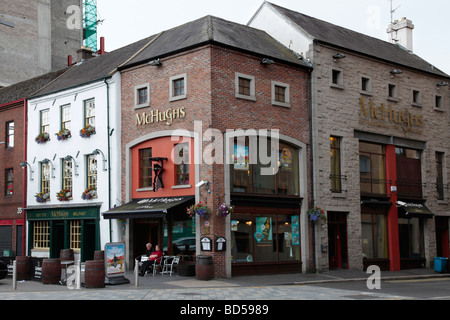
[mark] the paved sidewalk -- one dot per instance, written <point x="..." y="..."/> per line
<point x="165" y="287"/>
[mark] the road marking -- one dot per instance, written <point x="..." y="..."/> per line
<point x="419" y="280"/>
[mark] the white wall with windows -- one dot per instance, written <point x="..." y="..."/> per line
<point x="73" y="148"/>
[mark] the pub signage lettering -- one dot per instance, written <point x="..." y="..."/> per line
<point x="156" y="116"/>
<point x="386" y="116"/>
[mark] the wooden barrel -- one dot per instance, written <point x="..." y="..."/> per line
<point x="66" y="255"/>
<point x="94" y="274"/>
<point x="204" y="269"/>
<point x="51" y="271"/>
<point x="23" y="268"/>
<point x="99" y="255"/>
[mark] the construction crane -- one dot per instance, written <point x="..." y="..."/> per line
<point x="90" y="24"/>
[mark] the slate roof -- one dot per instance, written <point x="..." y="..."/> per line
<point x="328" y="33"/>
<point x="27" y="88"/>
<point x="93" y="69"/>
<point x="213" y="30"/>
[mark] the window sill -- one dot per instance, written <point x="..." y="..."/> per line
<point x="182" y="186"/>
<point x="244" y="97"/>
<point x="144" y="189"/>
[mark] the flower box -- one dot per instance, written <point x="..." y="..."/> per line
<point x="42" y="197"/>
<point x="63" y="134"/>
<point x="87" y="131"/>
<point x="42" y="137"/>
<point x="89" y="194"/>
<point x="64" y="195"/>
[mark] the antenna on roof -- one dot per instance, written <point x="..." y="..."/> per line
<point x="393" y="11"/>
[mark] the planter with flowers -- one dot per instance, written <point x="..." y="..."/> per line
<point x="89" y="194"/>
<point x="42" y="197"/>
<point x="223" y="210"/>
<point x="200" y="209"/>
<point x="87" y="131"/>
<point x="317" y="214"/>
<point x="42" y="137"/>
<point x="64" y="195"/>
<point x="63" y="134"/>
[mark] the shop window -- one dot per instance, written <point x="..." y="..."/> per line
<point x="245" y="87"/>
<point x="280" y="94"/>
<point x="45" y="121"/>
<point x="264" y="237"/>
<point x="89" y="112"/>
<point x="9" y="182"/>
<point x="66" y="117"/>
<point x="440" y="175"/>
<point x="178" y="87"/>
<point x="181" y="164"/>
<point x="411" y="238"/>
<point x="145" y="170"/>
<point x="372" y="168"/>
<point x="246" y="170"/>
<point x="41" y="234"/>
<point x="335" y="153"/>
<point x="374" y="236"/>
<point x="142" y="96"/>
<point x="10" y="134"/>
<point x="75" y="234"/>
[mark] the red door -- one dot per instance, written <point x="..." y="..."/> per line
<point x="337" y="240"/>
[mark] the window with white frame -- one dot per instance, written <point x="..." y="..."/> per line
<point x="245" y="87"/>
<point x="178" y="87"/>
<point x="67" y="174"/>
<point x="89" y="112"/>
<point x="10" y="134"/>
<point x="92" y="172"/>
<point x="280" y="94"/>
<point x="142" y="96"/>
<point x="45" y="121"/>
<point x="45" y="178"/>
<point x="65" y="117"/>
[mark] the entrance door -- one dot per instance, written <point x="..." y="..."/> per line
<point x="57" y="239"/>
<point x="337" y="240"/>
<point x="144" y="231"/>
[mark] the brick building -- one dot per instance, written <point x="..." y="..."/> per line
<point x="378" y="107"/>
<point x="184" y="97"/>
<point x="13" y="120"/>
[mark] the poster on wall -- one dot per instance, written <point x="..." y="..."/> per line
<point x="263" y="229"/>
<point x="115" y="263"/>
<point x="295" y="230"/>
<point x="241" y="160"/>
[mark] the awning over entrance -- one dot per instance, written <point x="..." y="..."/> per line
<point x="414" y="210"/>
<point x="148" y="208"/>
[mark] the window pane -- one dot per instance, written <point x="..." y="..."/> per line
<point x="244" y="86"/>
<point x="89" y="112"/>
<point x="335" y="153"/>
<point x="143" y="95"/>
<point x="287" y="176"/>
<point x="240" y="173"/>
<point x="92" y="172"/>
<point x="10" y="134"/>
<point x="266" y="238"/>
<point x="242" y="238"/>
<point x="178" y="87"/>
<point x="280" y="94"/>
<point x="146" y="168"/>
<point x="288" y="237"/>
<point x="45" y="124"/>
<point x="9" y="182"/>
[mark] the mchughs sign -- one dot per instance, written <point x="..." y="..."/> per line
<point x="160" y="116"/>
<point x="386" y="115"/>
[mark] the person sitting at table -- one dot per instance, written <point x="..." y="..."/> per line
<point x="156" y="255"/>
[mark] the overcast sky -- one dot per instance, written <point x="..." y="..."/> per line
<point x="126" y="21"/>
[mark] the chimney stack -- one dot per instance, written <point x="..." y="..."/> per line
<point x="401" y="32"/>
<point x="84" y="53"/>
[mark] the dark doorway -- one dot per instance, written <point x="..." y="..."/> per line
<point x="57" y="240"/>
<point x="88" y="243"/>
<point x="337" y="240"/>
<point x="144" y="231"/>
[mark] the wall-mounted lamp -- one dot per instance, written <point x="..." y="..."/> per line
<point x="205" y="184"/>
<point x="69" y="158"/>
<point x="98" y="151"/>
<point x="267" y="61"/>
<point x="155" y="63"/>
<point x="338" y="56"/>
<point x="439" y="84"/>
<point x="395" y="72"/>
<point x="24" y="165"/>
<point x="47" y="161"/>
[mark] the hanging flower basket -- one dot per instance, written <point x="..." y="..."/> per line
<point x="200" y="209"/>
<point x="223" y="210"/>
<point x="42" y="197"/>
<point x="89" y="193"/>
<point x="64" y="195"/>
<point x="87" y="131"/>
<point x="317" y="214"/>
<point x="42" y="137"/>
<point x="63" y="134"/>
